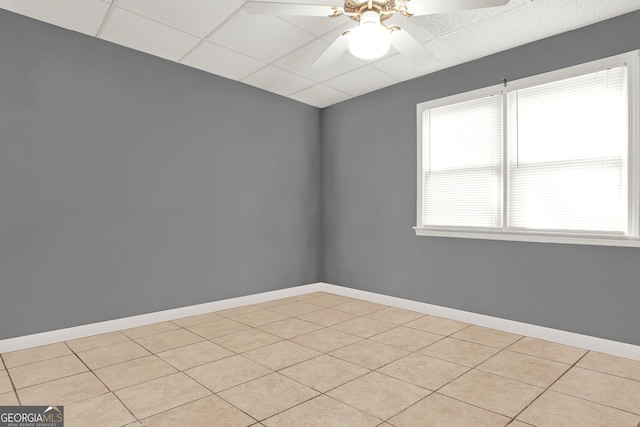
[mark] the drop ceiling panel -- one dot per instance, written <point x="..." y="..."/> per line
<point x="278" y="81"/>
<point x="445" y="55"/>
<point x="275" y="53"/>
<point x="445" y="23"/>
<point x="320" y="96"/>
<point x="84" y="16"/>
<point x="261" y="36"/>
<point x="333" y="34"/>
<point x="500" y="32"/>
<point x="398" y="67"/>
<point x="422" y="33"/>
<point x="137" y="32"/>
<point x="360" y="81"/>
<point x="301" y="59"/>
<point x="198" y="17"/>
<point x="576" y="14"/>
<point x="224" y="62"/>
<point x="315" y="25"/>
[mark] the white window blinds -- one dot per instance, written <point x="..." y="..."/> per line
<point x="567" y="145"/>
<point x="547" y="158"/>
<point x="462" y="152"/>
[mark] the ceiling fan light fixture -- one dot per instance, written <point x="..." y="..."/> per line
<point x="370" y="39"/>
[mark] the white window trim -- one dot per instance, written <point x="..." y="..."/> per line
<point x="631" y="59"/>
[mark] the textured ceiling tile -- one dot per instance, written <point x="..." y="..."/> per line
<point x="222" y="61"/>
<point x="444" y="54"/>
<point x="565" y="15"/>
<point x="316" y="25"/>
<point x="278" y="81"/>
<point x="414" y="27"/>
<point x="333" y="34"/>
<point x="84" y="16"/>
<point x="398" y="67"/>
<point x="513" y="28"/>
<point x="299" y="62"/>
<point x="360" y="81"/>
<point x="445" y="23"/>
<point x="136" y="32"/>
<point x="263" y="37"/>
<point x="320" y="96"/>
<point x="198" y="17"/>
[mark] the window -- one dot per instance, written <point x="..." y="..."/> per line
<point x="552" y="158"/>
<point x="462" y="179"/>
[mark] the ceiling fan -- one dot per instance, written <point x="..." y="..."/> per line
<point x="372" y="38"/>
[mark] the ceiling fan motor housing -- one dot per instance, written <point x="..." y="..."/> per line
<point x="355" y="8"/>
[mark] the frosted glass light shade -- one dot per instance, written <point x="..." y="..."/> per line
<point x="369" y="40"/>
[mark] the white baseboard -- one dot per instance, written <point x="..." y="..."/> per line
<point x="569" y="338"/>
<point x="587" y="342"/>
<point x="50" y="337"/>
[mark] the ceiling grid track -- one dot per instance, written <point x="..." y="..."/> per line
<point x="112" y="7"/>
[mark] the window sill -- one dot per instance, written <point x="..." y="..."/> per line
<point x="596" y="240"/>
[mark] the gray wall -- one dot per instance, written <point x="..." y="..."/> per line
<point x="129" y="184"/>
<point x="369" y="196"/>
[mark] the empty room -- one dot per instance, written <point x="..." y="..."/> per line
<point x="312" y="213"/>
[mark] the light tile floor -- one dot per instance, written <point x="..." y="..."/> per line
<point x="322" y="360"/>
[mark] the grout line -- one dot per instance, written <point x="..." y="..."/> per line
<point x="408" y="407"/>
<point x="235" y="385"/>
<point x="42" y="361"/>
<point x="235" y="407"/>
<point x="124" y="361"/>
<point x="13" y="385"/>
<point x="541" y="357"/>
<point x="320" y="393"/>
<point x="109" y="391"/>
<point x="549" y="387"/>
<point x="595" y="403"/>
<point x="386" y="375"/>
<point x="565" y="372"/>
<point x="437" y="390"/>
<point x="607" y="373"/>
<point x="99" y="346"/>
<point x="242" y="352"/>
<point x="583" y="398"/>
<point x="62" y="378"/>
<point x="446" y="360"/>
<point x="193" y="401"/>
<point x="469" y="403"/>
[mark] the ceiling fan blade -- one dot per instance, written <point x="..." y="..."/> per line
<point x="418" y="7"/>
<point x="332" y="53"/>
<point x="411" y="49"/>
<point x="292" y="9"/>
